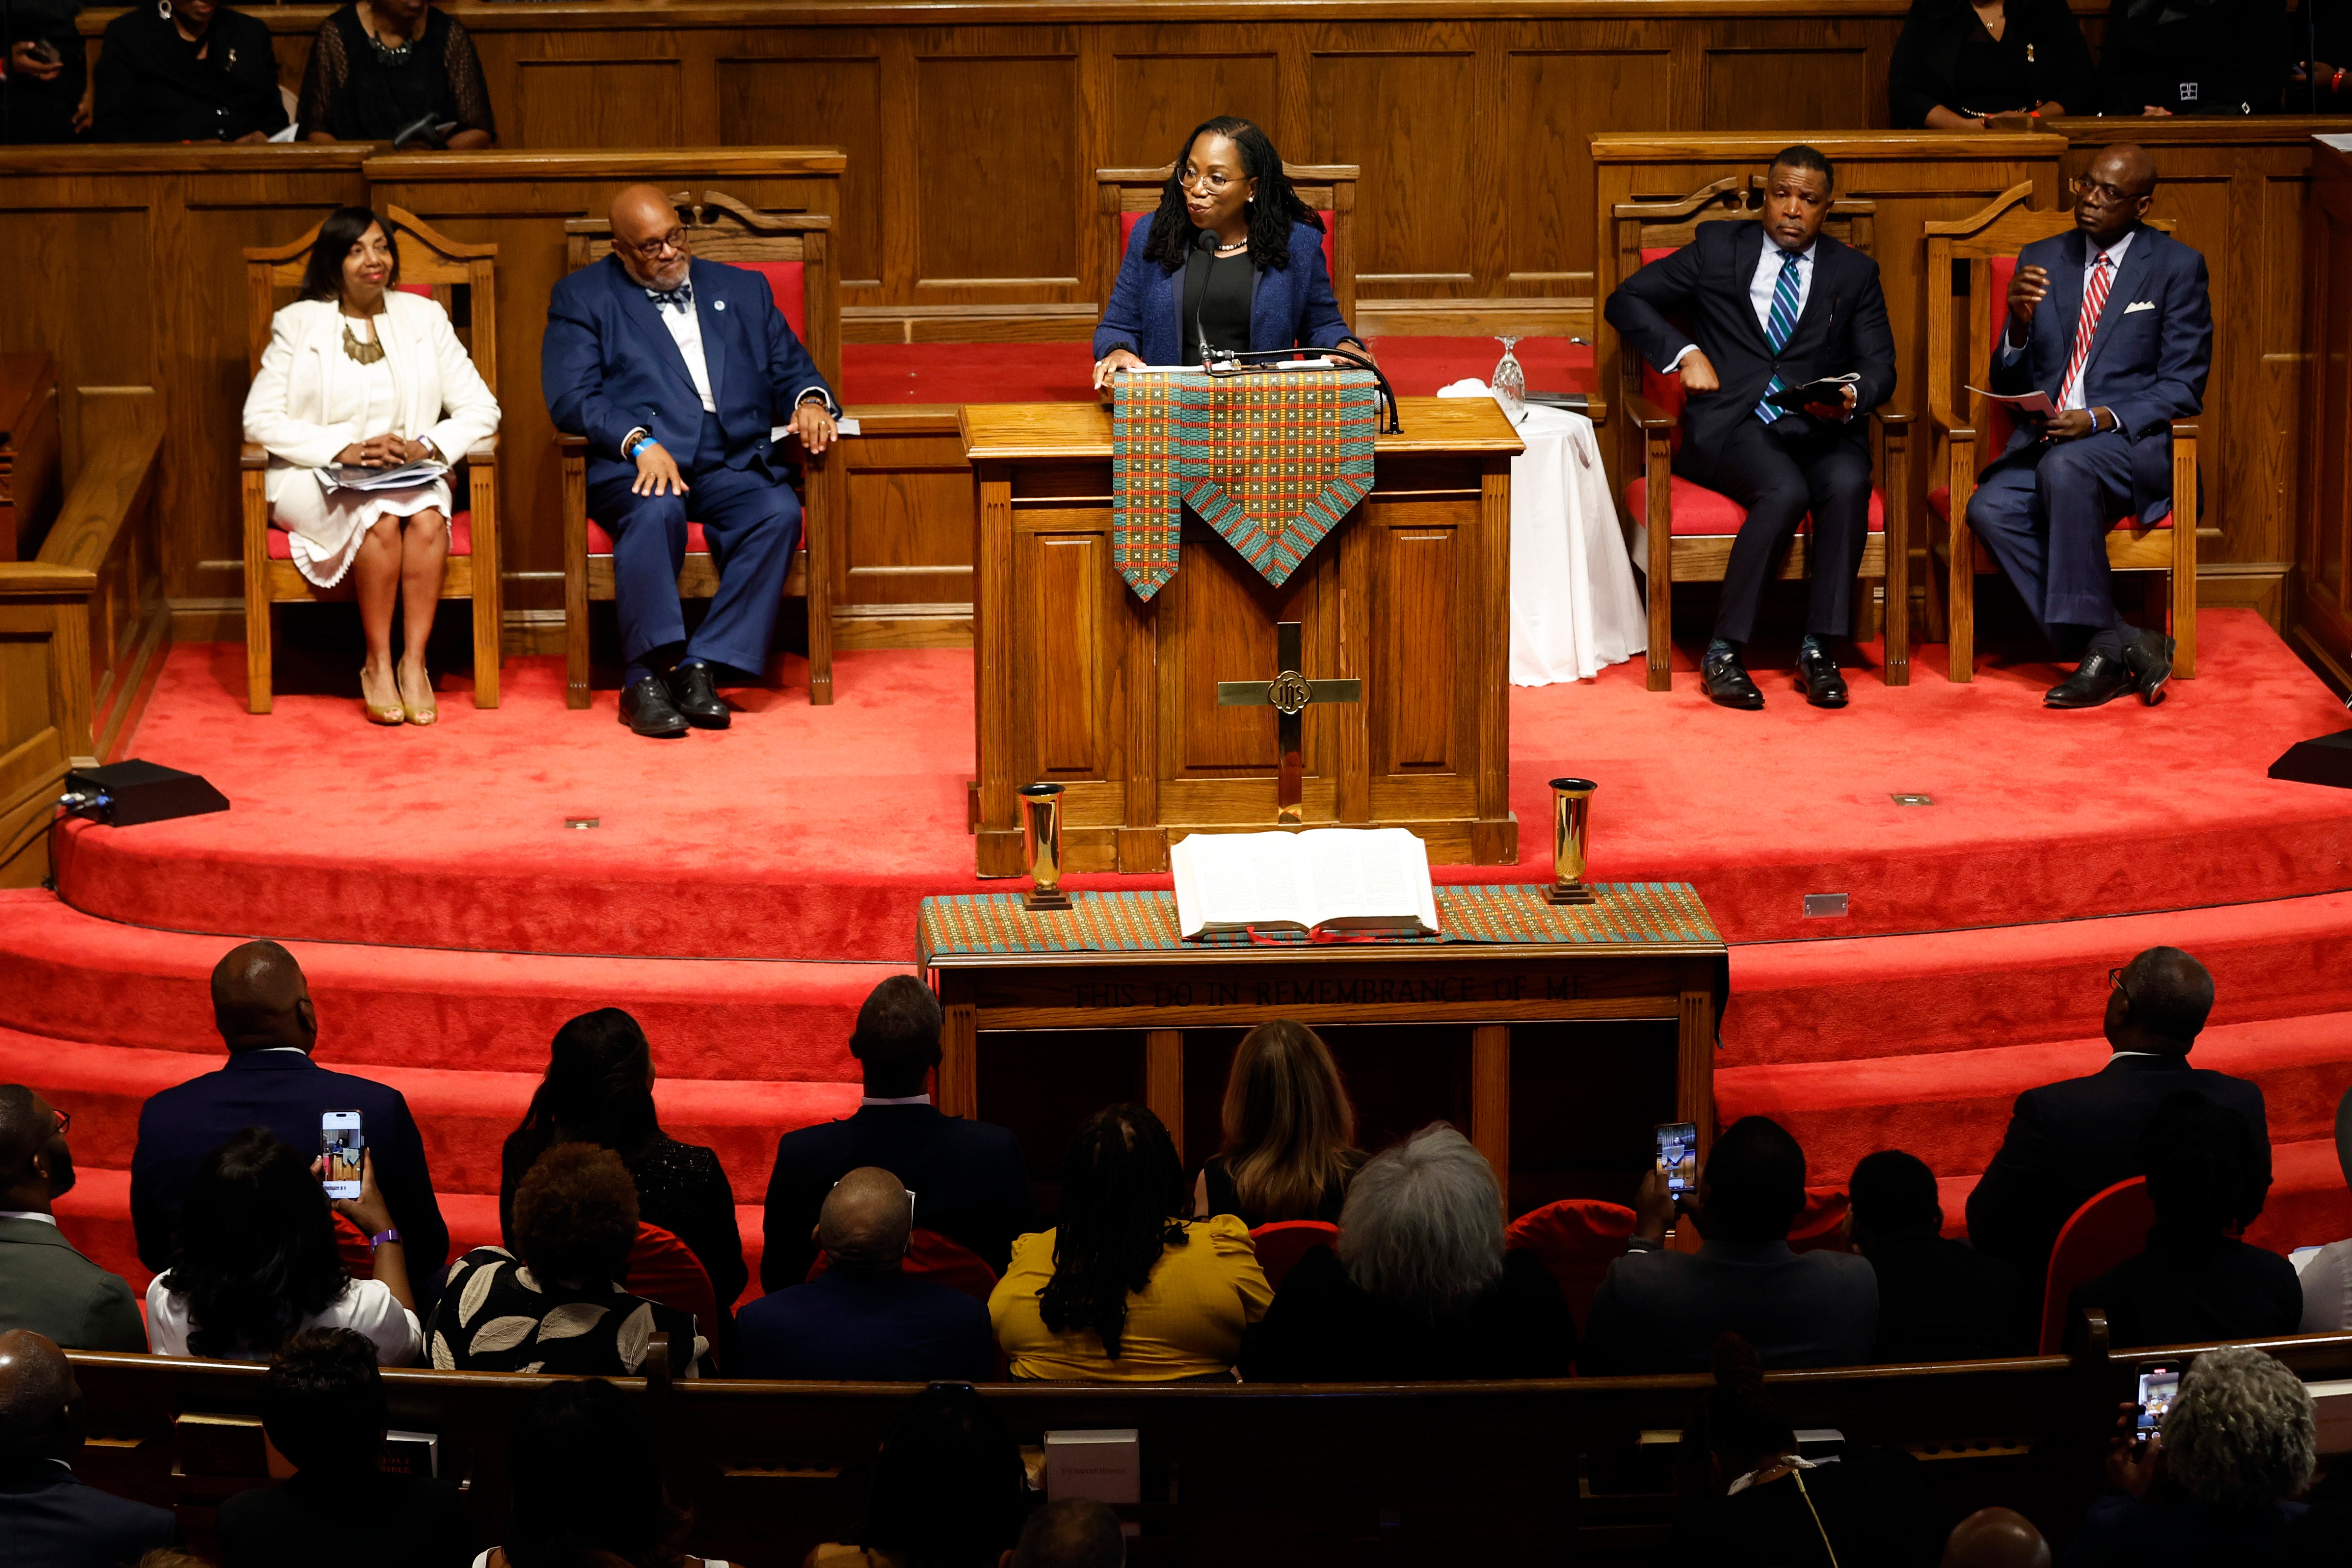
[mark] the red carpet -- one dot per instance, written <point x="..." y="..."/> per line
<point x="760" y="881"/>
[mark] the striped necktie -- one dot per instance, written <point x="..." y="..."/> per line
<point x="1783" y="322"/>
<point x="2094" y="300"/>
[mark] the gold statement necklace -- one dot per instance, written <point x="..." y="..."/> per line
<point x="360" y="352"/>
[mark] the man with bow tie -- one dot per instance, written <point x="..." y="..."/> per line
<point x="676" y="370"/>
<point x="2112" y="322"/>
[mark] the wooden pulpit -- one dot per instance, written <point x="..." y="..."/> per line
<point x="1081" y="683"/>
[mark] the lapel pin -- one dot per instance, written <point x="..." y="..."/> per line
<point x="718" y="304"/>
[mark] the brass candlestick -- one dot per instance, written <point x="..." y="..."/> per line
<point x="1041" y="822"/>
<point x="1571" y="808"/>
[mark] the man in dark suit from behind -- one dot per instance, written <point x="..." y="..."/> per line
<point x="1772" y="305"/>
<point x="45" y="1284"/>
<point x="969" y="1182"/>
<point x="261" y="1003"/>
<point x="49" y="1518"/>
<point x="2112" y="321"/>
<point x="2194" y="1281"/>
<point x="864" y="1320"/>
<point x="322" y="1404"/>
<point x="1937" y="1299"/>
<point x="2069" y="1141"/>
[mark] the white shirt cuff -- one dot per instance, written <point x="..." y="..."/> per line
<point x="1676" y="363"/>
<point x="2010" y="352"/>
<point x="808" y="391"/>
<point x="631" y="440"/>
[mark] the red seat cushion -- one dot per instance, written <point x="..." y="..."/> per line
<point x="1127" y="221"/>
<point x="1417" y="367"/>
<point x="601" y="543"/>
<point x="422" y="290"/>
<point x="788" y="282"/>
<point x="939" y="1260"/>
<point x="461" y="537"/>
<point x="665" y="1269"/>
<point x="967" y="372"/>
<point x="1940" y="502"/>
<point x="1697" y="513"/>
<point x="1578" y="1239"/>
<point x="1282" y="1243"/>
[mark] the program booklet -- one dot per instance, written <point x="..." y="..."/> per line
<point x="2034" y="402"/>
<point x="1827" y="389"/>
<point x="1327" y="880"/>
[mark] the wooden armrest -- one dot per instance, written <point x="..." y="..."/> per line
<point x="1898" y="417"/>
<point x="568" y="444"/>
<point x="2184" y="429"/>
<point x="484" y="450"/>
<point x="253" y="455"/>
<point x="1646" y="414"/>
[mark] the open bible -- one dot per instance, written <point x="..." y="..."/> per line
<point x="1330" y="879"/>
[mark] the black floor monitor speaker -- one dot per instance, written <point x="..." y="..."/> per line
<point x="2325" y="761"/>
<point x="133" y="792"/>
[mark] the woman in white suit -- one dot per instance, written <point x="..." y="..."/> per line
<point x="358" y="373"/>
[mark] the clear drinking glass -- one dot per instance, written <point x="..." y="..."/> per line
<point x="1510" y="381"/>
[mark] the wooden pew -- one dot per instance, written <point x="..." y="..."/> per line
<point x="1231" y="1474"/>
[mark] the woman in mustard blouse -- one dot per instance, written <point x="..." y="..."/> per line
<point x="1124" y="1290"/>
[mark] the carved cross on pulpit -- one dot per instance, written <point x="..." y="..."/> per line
<point x="1289" y="694"/>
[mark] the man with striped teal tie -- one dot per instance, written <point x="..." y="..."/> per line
<point x="1749" y="308"/>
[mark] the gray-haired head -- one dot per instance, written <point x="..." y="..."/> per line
<point x="2242" y="1433"/>
<point x="1422" y="1227"/>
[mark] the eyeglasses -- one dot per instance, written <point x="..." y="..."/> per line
<point x="2107" y="195"/>
<point x="1213" y="180"/>
<point x="660" y="245"/>
<point x="64" y="1119"/>
<point x="2115" y="979"/>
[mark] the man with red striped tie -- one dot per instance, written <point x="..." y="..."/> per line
<point x="2112" y="321"/>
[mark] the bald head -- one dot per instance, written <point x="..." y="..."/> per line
<point x="642" y="216"/>
<point x="864" y="1225"/>
<point x="36" y="1383"/>
<point x="2162" y="1004"/>
<point x="2115" y="193"/>
<point x="261" y="999"/>
<point x="1996" y="1538"/>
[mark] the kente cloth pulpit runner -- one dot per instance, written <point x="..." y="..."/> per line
<point x="1271" y="460"/>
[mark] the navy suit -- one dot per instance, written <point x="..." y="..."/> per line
<point x="1290" y="306"/>
<point x="607" y="366"/>
<point x="2044" y="508"/>
<point x="890" y="1328"/>
<point x="284" y="1091"/>
<point x="2071" y="1139"/>
<point x="49" y="1520"/>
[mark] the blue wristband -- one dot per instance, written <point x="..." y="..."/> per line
<point x="643" y="442"/>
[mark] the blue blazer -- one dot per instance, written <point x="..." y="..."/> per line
<point x="1292" y="306"/>
<point x="2148" y="359"/>
<point x="284" y="1091"/>
<point x="608" y="365"/>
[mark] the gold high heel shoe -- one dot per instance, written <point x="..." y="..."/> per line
<point x="417" y="713"/>
<point x="381" y="712"/>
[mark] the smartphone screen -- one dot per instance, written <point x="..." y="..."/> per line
<point x="340" y="1142"/>
<point x="1678" y="1155"/>
<point x="2157" y="1385"/>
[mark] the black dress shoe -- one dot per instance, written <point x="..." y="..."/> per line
<point x="1818" y="678"/>
<point x="690" y="687"/>
<point x="2149" y="658"/>
<point x="646" y="709"/>
<point x="2098" y="679"/>
<point x="1726" y="682"/>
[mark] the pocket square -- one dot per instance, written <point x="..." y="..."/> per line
<point x="2140" y="305"/>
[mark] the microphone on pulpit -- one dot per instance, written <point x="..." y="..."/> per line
<point x="1196" y="283"/>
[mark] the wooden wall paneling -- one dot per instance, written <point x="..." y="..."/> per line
<point x="2320" y="615"/>
<point x="1792" y="74"/>
<point x="520" y="201"/>
<point x="1420" y="191"/>
<point x="1165" y="80"/>
<point x="807" y="99"/>
<point x="1000" y="157"/>
<point x="617" y="103"/>
<point x="903" y="578"/>
<point x="1562" y="84"/>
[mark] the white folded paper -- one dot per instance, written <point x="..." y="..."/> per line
<point x="408" y="475"/>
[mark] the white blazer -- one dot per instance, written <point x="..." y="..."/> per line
<point x="443" y="398"/>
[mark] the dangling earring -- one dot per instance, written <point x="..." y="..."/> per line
<point x="163" y="9"/>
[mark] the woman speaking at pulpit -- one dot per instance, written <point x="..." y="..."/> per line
<point x="1233" y="260"/>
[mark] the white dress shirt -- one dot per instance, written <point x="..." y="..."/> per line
<point x="685" y="330"/>
<point x="1761" y="287"/>
<point x="47" y="1219"/>
<point x="2072" y="397"/>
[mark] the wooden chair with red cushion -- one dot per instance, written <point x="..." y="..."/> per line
<point x="791" y="250"/>
<point x="932" y="1256"/>
<point x="1691" y="527"/>
<point x="1988" y="242"/>
<point x="1578" y="1239"/>
<point x="2109" y="1227"/>
<point x="1282" y="1243"/>
<point x="665" y="1269"/>
<point x="460" y="278"/>
<point x="1126" y="197"/>
<point x="1820" y="1224"/>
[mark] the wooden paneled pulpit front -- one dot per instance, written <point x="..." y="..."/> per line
<point x="1083" y="683"/>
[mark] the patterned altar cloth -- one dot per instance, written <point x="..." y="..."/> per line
<point x="1623" y="914"/>
<point x="1271" y="460"/>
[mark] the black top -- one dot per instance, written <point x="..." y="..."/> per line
<point x="43" y="110"/>
<point x="680" y="1187"/>
<point x="1946" y="55"/>
<point x="355" y="92"/>
<point x="1322" y="1328"/>
<point x="1224" y="1199"/>
<point x="1222" y="300"/>
<point x="1943" y="1300"/>
<point x="361" y="1519"/>
<point x="49" y="1520"/>
<point x="155" y="86"/>
<point x="2193" y="57"/>
<point x="2189" y="1290"/>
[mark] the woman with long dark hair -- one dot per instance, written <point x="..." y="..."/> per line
<point x="1123" y="1290"/>
<point x="360" y="374"/>
<point x="254" y="1260"/>
<point x="599" y="1088"/>
<point x="1265" y="285"/>
<point x="1290" y="1132"/>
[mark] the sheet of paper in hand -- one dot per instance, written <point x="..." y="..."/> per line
<point x="1329" y="879"/>
<point x="1829" y="389"/>
<point x="408" y="475"/>
<point x="2034" y="402"/>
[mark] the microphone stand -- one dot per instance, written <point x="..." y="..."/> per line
<point x="1233" y="362"/>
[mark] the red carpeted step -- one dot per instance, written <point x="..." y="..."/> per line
<point x="1955" y="991"/>
<point x="1951" y="1109"/>
<point x="67" y="974"/>
<point x="464" y="1117"/>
